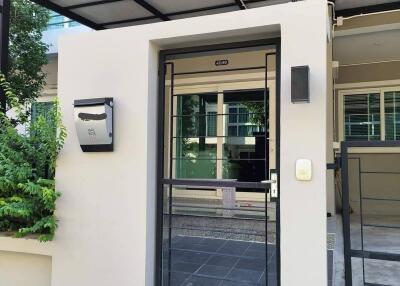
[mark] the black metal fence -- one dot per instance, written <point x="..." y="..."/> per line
<point x="371" y="212"/>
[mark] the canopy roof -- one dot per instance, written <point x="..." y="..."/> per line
<point x="105" y="14"/>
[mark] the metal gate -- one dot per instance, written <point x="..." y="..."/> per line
<point x="203" y="241"/>
<point x="371" y="212"/>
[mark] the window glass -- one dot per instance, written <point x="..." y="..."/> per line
<point x="196" y="115"/>
<point x="244" y="148"/>
<point x="212" y="124"/>
<point x="189" y="104"/>
<point x="243" y="115"/>
<point x="392" y="115"/>
<point x="362" y="117"/>
<point x="242" y="121"/>
<point x="195" y="143"/>
<point x="232" y="130"/>
<point x="41" y="108"/>
<point x="58" y="21"/>
<point x="73" y="24"/>
<point x="238" y="133"/>
<point x="195" y="158"/>
<point x="232" y="115"/>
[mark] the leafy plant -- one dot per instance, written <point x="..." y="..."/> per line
<point x="27" y="169"/>
<point x="27" y="53"/>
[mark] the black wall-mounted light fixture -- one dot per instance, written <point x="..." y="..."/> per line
<point x="301" y="84"/>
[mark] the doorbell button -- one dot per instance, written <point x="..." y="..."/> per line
<point x="303" y="170"/>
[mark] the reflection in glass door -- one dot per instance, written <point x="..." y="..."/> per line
<point x="219" y="221"/>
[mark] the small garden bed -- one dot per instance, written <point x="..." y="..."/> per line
<point x="27" y="169"/>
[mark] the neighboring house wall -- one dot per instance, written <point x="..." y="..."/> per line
<point x="108" y="204"/>
<point x="370" y="22"/>
<point x="330" y="156"/>
<point x="375" y="185"/>
<point x="369" y="62"/>
<point x="51" y="70"/>
<point x="367" y="73"/>
<point x="57" y="27"/>
<point x="380" y="159"/>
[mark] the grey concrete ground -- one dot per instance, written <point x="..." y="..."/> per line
<point x="379" y="239"/>
<point x="246" y="221"/>
<point x="376" y="237"/>
<point x="335" y="226"/>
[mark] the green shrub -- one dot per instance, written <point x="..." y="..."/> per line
<point x="27" y="170"/>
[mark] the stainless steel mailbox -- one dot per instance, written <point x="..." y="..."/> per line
<point x="94" y="124"/>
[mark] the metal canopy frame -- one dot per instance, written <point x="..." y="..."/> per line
<point x="69" y="12"/>
<point x="157" y="15"/>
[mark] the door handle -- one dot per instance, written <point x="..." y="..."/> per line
<point x="268" y="182"/>
<point x="274" y="184"/>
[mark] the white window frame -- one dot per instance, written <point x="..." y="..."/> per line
<point x="381" y="91"/>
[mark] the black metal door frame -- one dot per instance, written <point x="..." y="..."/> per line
<point x="346" y="210"/>
<point x="161" y="181"/>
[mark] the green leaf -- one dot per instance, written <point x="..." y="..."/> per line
<point x="28" y="161"/>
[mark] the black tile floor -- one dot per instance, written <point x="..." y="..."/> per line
<point x="197" y="261"/>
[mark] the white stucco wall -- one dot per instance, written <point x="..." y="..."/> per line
<point x="51" y="36"/>
<point x="25" y="262"/>
<point x="21" y="269"/>
<point x="107" y="210"/>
